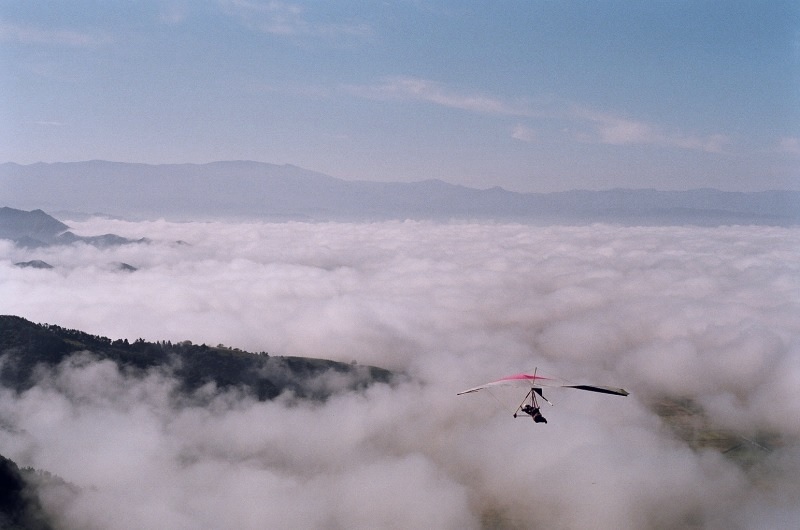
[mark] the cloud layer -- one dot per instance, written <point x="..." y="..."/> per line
<point x="706" y="314"/>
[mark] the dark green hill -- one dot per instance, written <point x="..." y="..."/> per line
<point x="20" y="507"/>
<point x="25" y="345"/>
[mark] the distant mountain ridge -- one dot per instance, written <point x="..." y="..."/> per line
<point x="242" y="189"/>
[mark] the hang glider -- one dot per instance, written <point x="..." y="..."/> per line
<point x="535" y="383"/>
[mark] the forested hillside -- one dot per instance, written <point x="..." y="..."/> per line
<point x="25" y="345"/>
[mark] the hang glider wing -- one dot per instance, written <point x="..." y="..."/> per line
<point x="537" y="382"/>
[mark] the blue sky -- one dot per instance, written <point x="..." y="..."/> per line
<point x="530" y="95"/>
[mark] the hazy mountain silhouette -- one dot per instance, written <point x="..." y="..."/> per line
<point x="34" y="264"/>
<point x="33" y="228"/>
<point x="268" y="191"/>
<point x="36" y="229"/>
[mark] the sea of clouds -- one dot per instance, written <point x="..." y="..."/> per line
<point x="710" y="314"/>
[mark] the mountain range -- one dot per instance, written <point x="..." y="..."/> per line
<point x="256" y="190"/>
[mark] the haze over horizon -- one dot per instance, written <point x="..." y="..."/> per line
<point x="532" y="96"/>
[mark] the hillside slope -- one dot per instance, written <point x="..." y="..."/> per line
<point x="26" y="346"/>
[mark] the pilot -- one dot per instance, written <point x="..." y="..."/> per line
<point x="534" y="413"/>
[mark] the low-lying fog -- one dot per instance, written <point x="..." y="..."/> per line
<point x="709" y="314"/>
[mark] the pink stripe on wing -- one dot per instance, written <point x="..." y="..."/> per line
<point x="522" y="377"/>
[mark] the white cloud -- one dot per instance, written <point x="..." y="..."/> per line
<point x="790" y="145"/>
<point x="270" y="17"/>
<point x="706" y="313"/>
<point x="417" y="89"/>
<point x="290" y="20"/>
<point x="24" y="34"/>
<point x="49" y="123"/>
<point x="524" y="134"/>
<point x="173" y="13"/>
<point x="594" y="126"/>
<point x="611" y="129"/>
